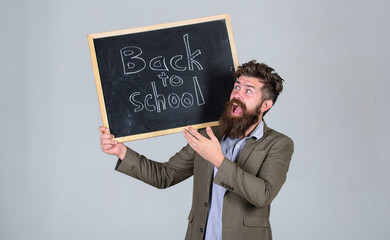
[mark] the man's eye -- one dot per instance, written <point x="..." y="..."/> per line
<point x="248" y="91"/>
<point x="237" y="87"/>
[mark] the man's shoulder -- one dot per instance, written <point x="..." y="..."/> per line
<point x="272" y="131"/>
<point x="271" y="134"/>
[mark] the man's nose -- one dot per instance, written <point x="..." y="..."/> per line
<point x="237" y="94"/>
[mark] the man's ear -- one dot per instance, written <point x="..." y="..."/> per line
<point x="266" y="105"/>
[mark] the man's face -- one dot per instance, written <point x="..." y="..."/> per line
<point x="243" y="109"/>
<point x="247" y="90"/>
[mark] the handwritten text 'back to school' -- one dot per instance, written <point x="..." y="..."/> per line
<point x="133" y="62"/>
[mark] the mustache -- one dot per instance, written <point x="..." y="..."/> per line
<point x="230" y="104"/>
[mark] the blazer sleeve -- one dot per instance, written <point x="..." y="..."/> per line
<point x="259" y="189"/>
<point x="160" y="175"/>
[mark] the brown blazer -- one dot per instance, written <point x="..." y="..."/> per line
<point x="251" y="183"/>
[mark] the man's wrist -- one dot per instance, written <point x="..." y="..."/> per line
<point x="122" y="153"/>
<point x="219" y="161"/>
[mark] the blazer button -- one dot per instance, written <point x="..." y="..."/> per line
<point x="201" y="230"/>
<point x="205" y="204"/>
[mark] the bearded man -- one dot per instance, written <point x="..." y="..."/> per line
<point x="238" y="167"/>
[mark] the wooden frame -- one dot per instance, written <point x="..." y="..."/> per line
<point x="92" y="37"/>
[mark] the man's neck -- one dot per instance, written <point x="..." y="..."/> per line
<point x="251" y="128"/>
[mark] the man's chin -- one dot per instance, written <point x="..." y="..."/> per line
<point x="235" y="118"/>
<point x="236" y="115"/>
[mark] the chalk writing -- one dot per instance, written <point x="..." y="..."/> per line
<point x="158" y="64"/>
<point x="133" y="62"/>
<point x="174" y="61"/>
<point x="191" y="56"/>
<point x="156" y="101"/>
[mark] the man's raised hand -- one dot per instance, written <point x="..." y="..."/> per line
<point x="110" y="146"/>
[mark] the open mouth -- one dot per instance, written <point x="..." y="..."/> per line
<point x="236" y="110"/>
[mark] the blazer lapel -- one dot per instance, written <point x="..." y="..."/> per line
<point x="249" y="146"/>
<point x="246" y="150"/>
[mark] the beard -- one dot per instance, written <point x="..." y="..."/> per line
<point x="236" y="126"/>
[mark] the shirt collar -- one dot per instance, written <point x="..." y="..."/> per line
<point x="258" y="131"/>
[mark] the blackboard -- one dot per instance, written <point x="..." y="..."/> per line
<point x="158" y="79"/>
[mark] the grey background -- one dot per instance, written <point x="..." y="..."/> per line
<point x="55" y="183"/>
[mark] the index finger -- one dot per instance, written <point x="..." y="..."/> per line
<point x="194" y="132"/>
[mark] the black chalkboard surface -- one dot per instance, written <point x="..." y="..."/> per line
<point x="156" y="80"/>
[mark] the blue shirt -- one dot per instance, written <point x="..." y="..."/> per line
<point x="231" y="149"/>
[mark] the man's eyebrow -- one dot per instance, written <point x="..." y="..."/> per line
<point x="247" y="85"/>
<point x="250" y="86"/>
